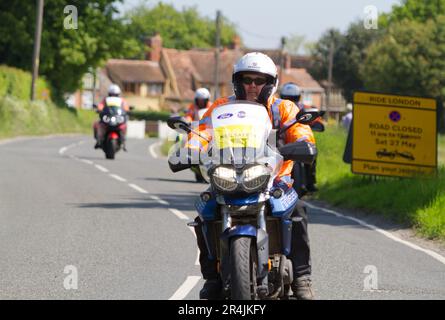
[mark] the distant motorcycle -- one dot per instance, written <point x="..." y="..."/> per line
<point x="115" y="120"/>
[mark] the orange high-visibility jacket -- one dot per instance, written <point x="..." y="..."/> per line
<point x="281" y="111"/>
<point x="192" y="113"/>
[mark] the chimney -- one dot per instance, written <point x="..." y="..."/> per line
<point x="154" y="45"/>
<point x="287" y="61"/>
<point x="236" y="42"/>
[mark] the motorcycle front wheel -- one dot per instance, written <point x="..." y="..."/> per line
<point x="110" y="148"/>
<point x="243" y="262"/>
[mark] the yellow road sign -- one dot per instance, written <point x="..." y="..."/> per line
<point x="394" y="135"/>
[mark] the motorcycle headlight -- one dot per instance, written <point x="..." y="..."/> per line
<point x="120" y="119"/>
<point x="255" y="178"/>
<point x="113" y="120"/>
<point x="106" y="119"/>
<point x="225" y="178"/>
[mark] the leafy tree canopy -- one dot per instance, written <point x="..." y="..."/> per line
<point x="409" y="59"/>
<point x="183" y="29"/>
<point x="66" y="54"/>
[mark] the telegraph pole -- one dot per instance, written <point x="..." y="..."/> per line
<point x="36" y="51"/>
<point x="283" y="44"/>
<point x="331" y="64"/>
<point x="218" y="44"/>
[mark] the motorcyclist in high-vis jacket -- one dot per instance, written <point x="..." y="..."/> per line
<point x="292" y="92"/>
<point x="255" y="79"/>
<point x="201" y="102"/>
<point x="114" y="95"/>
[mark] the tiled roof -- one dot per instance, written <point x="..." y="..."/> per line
<point x="302" y="78"/>
<point x="121" y="70"/>
<point x="198" y="65"/>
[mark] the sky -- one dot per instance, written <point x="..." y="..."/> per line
<point x="261" y="23"/>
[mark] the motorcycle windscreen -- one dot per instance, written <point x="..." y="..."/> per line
<point x="113" y="111"/>
<point x="240" y="132"/>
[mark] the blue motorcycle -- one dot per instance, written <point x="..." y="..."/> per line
<point x="245" y="214"/>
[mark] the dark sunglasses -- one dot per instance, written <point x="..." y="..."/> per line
<point x="258" y="81"/>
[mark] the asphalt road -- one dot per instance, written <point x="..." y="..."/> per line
<point x="118" y="227"/>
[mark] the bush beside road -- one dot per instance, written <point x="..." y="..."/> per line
<point x="21" y="117"/>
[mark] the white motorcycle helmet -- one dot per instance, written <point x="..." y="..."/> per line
<point x="202" y="94"/>
<point x="290" y="91"/>
<point x="260" y="63"/>
<point x="114" y="90"/>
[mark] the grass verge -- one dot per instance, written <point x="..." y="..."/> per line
<point x="418" y="202"/>
<point x="22" y="117"/>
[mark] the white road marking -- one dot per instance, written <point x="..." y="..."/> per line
<point x="137" y="188"/>
<point x="159" y="200"/>
<point x="197" y="250"/>
<point x="178" y="213"/>
<point x="118" y="178"/>
<point x="197" y="258"/>
<point x="185" y="288"/>
<point x="182" y="216"/>
<point x="63" y="149"/>
<point x="191" y="281"/>
<point x="152" y="148"/>
<point x="103" y="169"/>
<point x="87" y="161"/>
<point x="387" y="234"/>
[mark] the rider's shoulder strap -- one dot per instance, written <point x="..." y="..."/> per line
<point x="276" y="115"/>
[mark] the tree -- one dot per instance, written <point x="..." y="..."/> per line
<point x="414" y="10"/>
<point x="409" y="59"/>
<point x="294" y="43"/>
<point x="320" y="54"/>
<point x="184" y="29"/>
<point x="349" y="54"/>
<point x="66" y="54"/>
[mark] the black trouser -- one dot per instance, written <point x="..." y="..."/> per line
<point x="300" y="251"/>
<point x="310" y="171"/>
<point x="300" y="254"/>
<point x="208" y="267"/>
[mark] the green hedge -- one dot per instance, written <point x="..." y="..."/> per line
<point x="17" y="83"/>
<point x="23" y="117"/>
<point x="149" y="115"/>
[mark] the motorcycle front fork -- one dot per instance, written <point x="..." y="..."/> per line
<point x="262" y="245"/>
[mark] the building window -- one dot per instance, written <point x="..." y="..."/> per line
<point x="155" y="89"/>
<point x="130" y="87"/>
<point x="307" y="98"/>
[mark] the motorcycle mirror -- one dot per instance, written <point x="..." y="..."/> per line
<point x="300" y="151"/>
<point x="178" y="124"/>
<point x="306" y="116"/>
